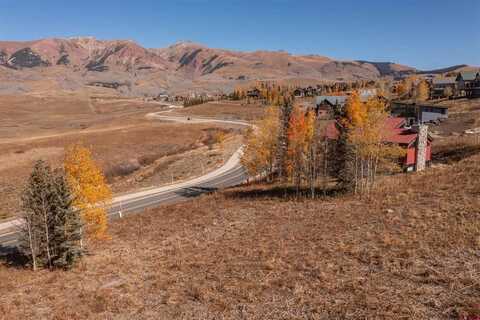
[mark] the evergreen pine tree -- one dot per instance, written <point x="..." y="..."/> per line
<point x="52" y="228"/>
<point x="35" y="240"/>
<point x="68" y="225"/>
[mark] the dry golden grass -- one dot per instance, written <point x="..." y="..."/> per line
<point x="454" y="149"/>
<point x="113" y="150"/>
<point x="410" y="252"/>
<point x="231" y="110"/>
<point x="462" y="105"/>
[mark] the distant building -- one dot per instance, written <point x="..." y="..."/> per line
<point x="416" y="141"/>
<point x="305" y="92"/>
<point x="325" y="105"/>
<point x="440" y="86"/>
<point x="468" y="84"/>
<point x="419" y="113"/>
<point x="299" y="93"/>
<point x="366" y="94"/>
<point x="254" y="93"/>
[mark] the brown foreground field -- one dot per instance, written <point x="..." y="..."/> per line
<point x="134" y="152"/>
<point x="411" y="252"/>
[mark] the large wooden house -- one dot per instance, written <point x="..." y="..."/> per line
<point x="419" y="113"/>
<point x="440" y="87"/>
<point x="326" y="105"/>
<point x="468" y="84"/>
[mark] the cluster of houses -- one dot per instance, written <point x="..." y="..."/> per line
<point x="406" y="126"/>
<point x="465" y="84"/>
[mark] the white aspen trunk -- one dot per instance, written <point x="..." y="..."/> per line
<point x="369" y="177"/>
<point x="31" y="244"/>
<point x="356" y="172"/>
<point x="325" y="167"/>
<point x="361" y="185"/>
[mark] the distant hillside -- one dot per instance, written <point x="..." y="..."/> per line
<point x="130" y="69"/>
<point x="391" y="69"/>
<point x="457" y="68"/>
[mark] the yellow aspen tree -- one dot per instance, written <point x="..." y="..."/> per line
<point x="300" y="136"/>
<point x="368" y="140"/>
<point x="422" y="91"/>
<point x="261" y="144"/>
<point x="92" y="193"/>
<point x="355" y="111"/>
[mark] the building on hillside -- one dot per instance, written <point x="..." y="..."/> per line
<point x="415" y="140"/>
<point x="419" y="113"/>
<point x="305" y="92"/>
<point x="299" y="93"/>
<point x="366" y="94"/>
<point x="254" y="93"/>
<point x="468" y="84"/>
<point x="331" y="104"/>
<point x="440" y="88"/>
<point x="325" y="105"/>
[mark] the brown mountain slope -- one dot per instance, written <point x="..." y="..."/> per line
<point x="128" y="68"/>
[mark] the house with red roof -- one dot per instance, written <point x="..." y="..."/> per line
<point x="397" y="132"/>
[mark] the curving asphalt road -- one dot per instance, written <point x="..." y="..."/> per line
<point x="230" y="174"/>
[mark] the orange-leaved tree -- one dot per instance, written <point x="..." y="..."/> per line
<point x="300" y="137"/>
<point x="355" y="111"/>
<point x="92" y="193"/>
<point x="367" y="138"/>
<point x="422" y="92"/>
<point x="261" y="144"/>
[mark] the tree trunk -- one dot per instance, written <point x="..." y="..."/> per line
<point x="47" y="239"/>
<point x="31" y="243"/>
<point x="325" y="167"/>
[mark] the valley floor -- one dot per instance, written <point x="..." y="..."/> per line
<point x="133" y="151"/>
<point x="410" y="252"/>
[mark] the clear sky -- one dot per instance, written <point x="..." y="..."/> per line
<point x="421" y="33"/>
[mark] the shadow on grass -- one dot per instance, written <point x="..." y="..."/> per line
<point x="455" y="154"/>
<point x="192" y="192"/>
<point x="12" y="257"/>
<point x="282" y="192"/>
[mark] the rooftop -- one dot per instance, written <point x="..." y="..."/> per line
<point x="395" y="132"/>
<point x="469" y="76"/>
<point x="331" y="99"/>
<point x="444" y="81"/>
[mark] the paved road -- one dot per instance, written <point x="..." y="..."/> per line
<point x="230" y="174"/>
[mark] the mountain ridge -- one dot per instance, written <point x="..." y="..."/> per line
<point x="183" y="66"/>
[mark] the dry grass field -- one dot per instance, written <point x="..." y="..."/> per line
<point x="463" y="114"/>
<point x="230" y="110"/>
<point x="411" y="252"/>
<point x="122" y="139"/>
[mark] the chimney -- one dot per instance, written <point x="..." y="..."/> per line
<point x="422" y="141"/>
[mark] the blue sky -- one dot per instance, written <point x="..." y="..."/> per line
<point x="421" y="33"/>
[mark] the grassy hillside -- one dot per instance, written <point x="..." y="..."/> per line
<point x="411" y="252"/>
